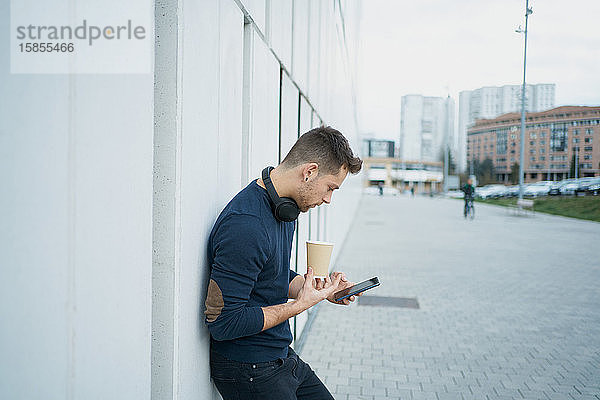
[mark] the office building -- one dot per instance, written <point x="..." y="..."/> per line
<point x="492" y="101"/>
<point x="552" y="138"/>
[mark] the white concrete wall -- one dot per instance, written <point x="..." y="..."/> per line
<point x="76" y="237"/>
<point x="112" y="184"/>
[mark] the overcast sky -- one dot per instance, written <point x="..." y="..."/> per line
<point x="433" y="47"/>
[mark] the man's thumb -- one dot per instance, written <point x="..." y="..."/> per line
<point x="309" y="275"/>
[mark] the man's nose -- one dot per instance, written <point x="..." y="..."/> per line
<point x="327" y="198"/>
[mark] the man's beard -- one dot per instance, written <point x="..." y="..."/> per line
<point x="305" y="192"/>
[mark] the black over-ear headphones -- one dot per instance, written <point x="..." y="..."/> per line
<point x="284" y="208"/>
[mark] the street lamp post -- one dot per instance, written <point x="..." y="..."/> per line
<point x="446" y="145"/>
<point x="576" y="161"/>
<point x="528" y="11"/>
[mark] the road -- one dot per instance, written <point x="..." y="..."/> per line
<point x="509" y="306"/>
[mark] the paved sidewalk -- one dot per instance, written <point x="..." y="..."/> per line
<point x="509" y="306"/>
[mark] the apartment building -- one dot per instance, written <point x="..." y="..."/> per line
<point x="552" y="138"/>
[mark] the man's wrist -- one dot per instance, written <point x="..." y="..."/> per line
<point x="300" y="306"/>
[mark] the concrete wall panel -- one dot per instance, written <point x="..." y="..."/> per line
<point x="302" y="228"/>
<point x="300" y="44"/>
<point x="35" y="241"/>
<point x="281" y="30"/>
<point x="77" y="244"/>
<point x="210" y="136"/>
<point x="230" y="102"/>
<point x="264" y="145"/>
<point x="112" y="236"/>
<point x="305" y="116"/>
<point x="257" y="10"/>
<point x="289" y="115"/>
<point x="314" y="49"/>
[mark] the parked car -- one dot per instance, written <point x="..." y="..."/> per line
<point x="482" y="192"/>
<point x="499" y="191"/>
<point x="570" y="187"/>
<point x="490" y="191"/>
<point x="555" y="187"/>
<point x="512" y="191"/>
<point x="584" y="184"/>
<point x="594" y="187"/>
<point x="388" y="191"/>
<point x="536" y="189"/>
<point x="372" y="190"/>
<point x="455" y="194"/>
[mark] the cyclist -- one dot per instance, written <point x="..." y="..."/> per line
<point x="469" y="190"/>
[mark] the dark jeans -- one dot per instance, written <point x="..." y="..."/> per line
<point x="287" y="378"/>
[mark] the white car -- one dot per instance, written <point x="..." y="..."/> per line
<point x="455" y="194"/>
<point x="387" y="191"/>
<point x="512" y="191"/>
<point x="570" y="187"/>
<point x="536" y="189"/>
<point x="490" y="191"/>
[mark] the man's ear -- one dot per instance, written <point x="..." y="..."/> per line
<point x="310" y="171"/>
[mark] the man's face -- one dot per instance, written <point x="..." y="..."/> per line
<point x="318" y="190"/>
<point x="470" y="181"/>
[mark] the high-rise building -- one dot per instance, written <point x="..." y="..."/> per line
<point x="491" y="101"/>
<point x="425" y="123"/>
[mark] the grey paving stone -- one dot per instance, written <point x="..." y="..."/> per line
<point x="346" y="389"/>
<point x="502" y="314"/>
<point x="338" y="380"/>
<point x="424" y="396"/>
<point x="377" y="390"/>
<point x="410" y="386"/>
<point x="386" y="383"/>
<point x="362" y="382"/>
<point x="402" y="393"/>
<point x="373" y="375"/>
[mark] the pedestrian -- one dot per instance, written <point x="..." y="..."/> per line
<point x="412" y="190"/>
<point x="380" y="187"/>
<point x="247" y="307"/>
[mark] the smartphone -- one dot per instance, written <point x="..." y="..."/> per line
<point x="356" y="289"/>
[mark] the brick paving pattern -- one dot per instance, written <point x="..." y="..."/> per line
<point x="509" y="306"/>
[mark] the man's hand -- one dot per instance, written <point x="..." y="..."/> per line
<point x="344" y="283"/>
<point x="313" y="291"/>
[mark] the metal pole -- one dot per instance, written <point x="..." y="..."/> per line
<point x="522" y="146"/>
<point x="576" y="161"/>
<point x="446" y="146"/>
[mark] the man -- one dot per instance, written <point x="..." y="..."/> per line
<point x="247" y="307"/>
<point x="469" y="190"/>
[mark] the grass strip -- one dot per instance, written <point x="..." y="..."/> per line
<point x="582" y="207"/>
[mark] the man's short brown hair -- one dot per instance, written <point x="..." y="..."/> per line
<point x="325" y="146"/>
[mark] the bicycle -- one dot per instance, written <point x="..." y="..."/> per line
<point x="469" y="208"/>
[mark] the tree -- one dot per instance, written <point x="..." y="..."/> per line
<point x="485" y="172"/>
<point x="451" y="162"/>
<point x="514" y="173"/>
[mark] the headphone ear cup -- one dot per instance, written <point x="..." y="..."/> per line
<point x="284" y="208"/>
<point x="287" y="210"/>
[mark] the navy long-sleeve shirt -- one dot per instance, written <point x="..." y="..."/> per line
<point x="249" y="254"/>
